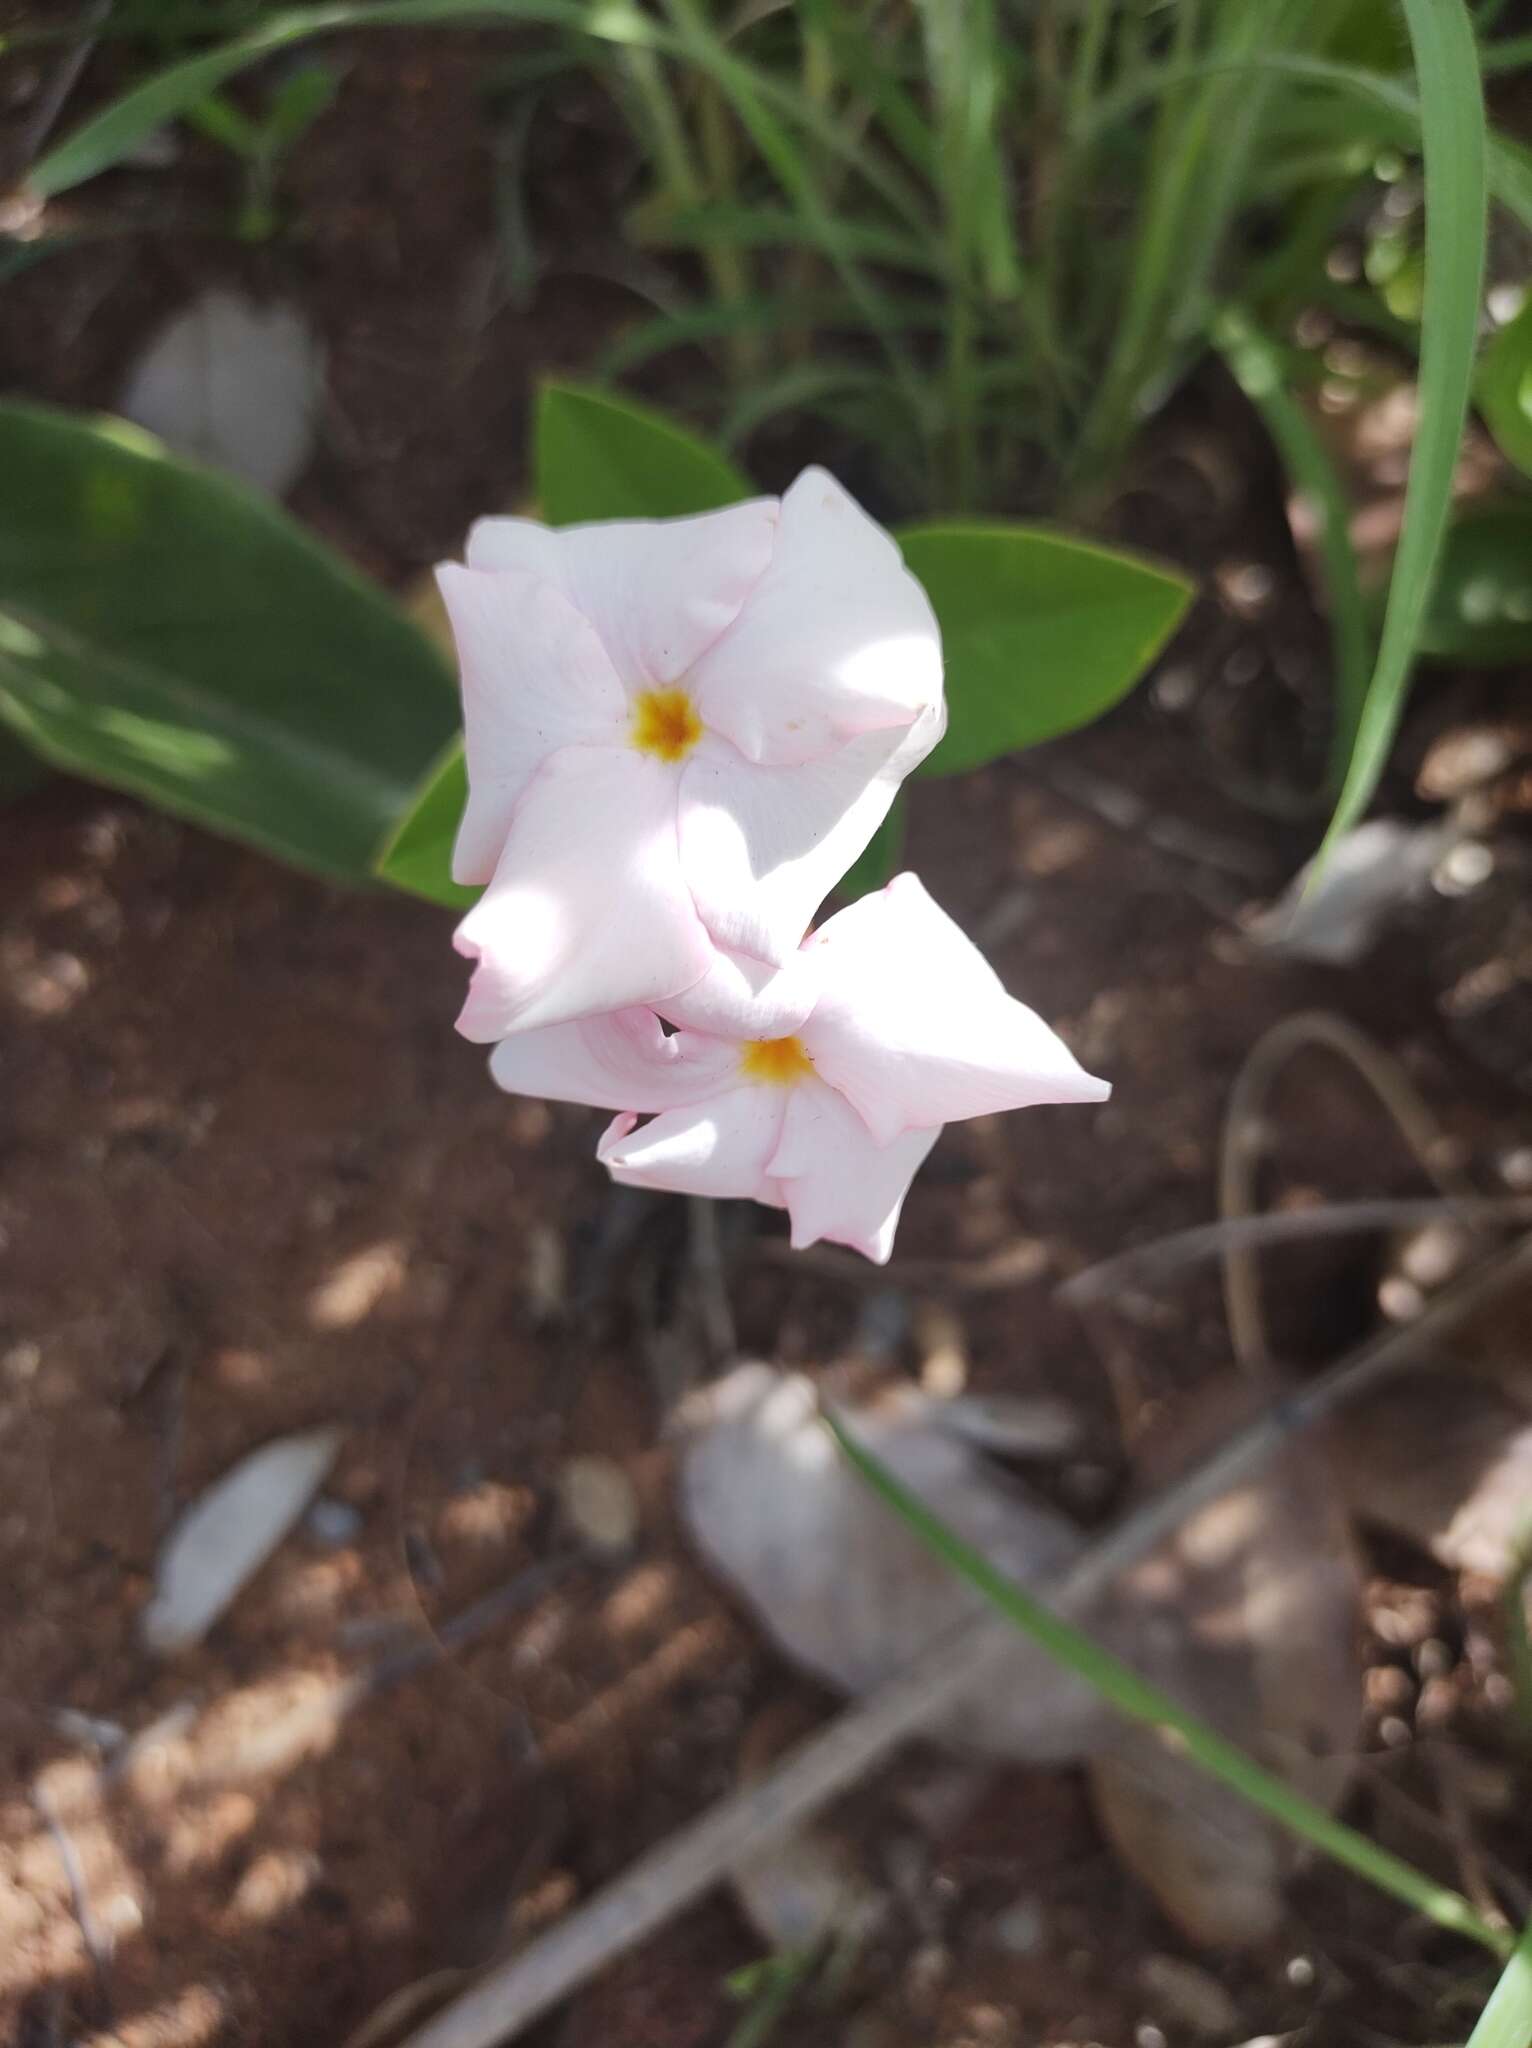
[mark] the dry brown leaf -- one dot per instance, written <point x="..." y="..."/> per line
<point x="1445" y="1460"/>
<point x="843" y="1587"/>
<point x="1249" y="1618"/>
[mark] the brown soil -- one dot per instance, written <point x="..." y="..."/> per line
<point x="251" y="1182"/>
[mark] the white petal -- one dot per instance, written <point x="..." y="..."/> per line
<point x="837" y="638"/>
<point x="718" y="1147"/>
<point x="620" y="1061"/>
<point x="535" y="678"/>
<point x="835" y="1180"/>
<point x="763" y="847"/>
<point x="659" y="592"/>
<point x="915" y="1027"/>
<point x="742" y="998"/>
<point x="587" y="910"/>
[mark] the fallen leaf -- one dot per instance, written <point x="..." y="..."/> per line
<point x="1249" y="1617"/>
<point x="225" y="1537"/>
<point x="1445" y="1461"/>
<point x="234" y="384"/>
<point x="847" y="1591"/>
<point x="1369" y="876"/>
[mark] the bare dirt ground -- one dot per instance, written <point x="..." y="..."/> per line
<point x="251" y="1182"/>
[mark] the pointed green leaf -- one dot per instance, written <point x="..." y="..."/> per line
<point x="1041" y="633"/>
<point x="1454" y="146"/>
<point x="599" y="457"/>
<point x="419" y="856"/>
<point x="165" y="630"/>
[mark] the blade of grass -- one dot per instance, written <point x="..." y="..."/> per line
<point x="106" y="137"/>
<point x="765" y="315"/>
<point x="1136" y="1697"/>
<point x="1456" y="210"/>
<point x="1397" y="111"/>
<point x="1518" y="1638"/>
<point x="1506" y="2022"/>
<point x="1258" y="368"/>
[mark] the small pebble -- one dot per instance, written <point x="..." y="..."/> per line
<point x="1300" y="1973"/>
<point x="1188" y="1995"/>
<point x="600" y="1502"/>
<point x="1020" y="1930"/>
<point x="332" y="1523"/>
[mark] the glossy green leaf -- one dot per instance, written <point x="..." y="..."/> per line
<point x="1041" y="633"/>
<point x="1453" y="143"/>
<point x="164" y="630"/>
<point x="1503" y="388"/>
<point x="1481" y="606"/>
<point x="419" y="856"/>
<point x="599" y="457"/>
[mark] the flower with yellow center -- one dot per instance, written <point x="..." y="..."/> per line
<point x="678" y="735"/>
<point x="665" y="724"/>
<point x="781" y="1061"/>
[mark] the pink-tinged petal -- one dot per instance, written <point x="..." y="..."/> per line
<point x="659" y="592"/>
<point x="621" y="1061"/>
<point x="743" y="998"/>
<point x="763" y="847"/>
<point x="587" y="910"/>
<point x="836" y="639"/>
<point x="535" y="678"/>
<point x="835" y="1180"/>
<point x="719" y="1147"/>
<point x="915" y="1027"/>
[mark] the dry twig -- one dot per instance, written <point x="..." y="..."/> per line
<point x="1129" y="1269"/>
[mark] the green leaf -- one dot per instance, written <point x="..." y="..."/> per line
<point x="1504" y="389"/>
<point x="1481" y="607"/>
<point x="1259" y="367"/>
<point x="20" y="771"/>
<point x="1456" y="205"/>
<point x="419" y="856"/>
<point x="1041" y="633"/>
<point x="165" y="630"/>
<point x="599" y="457"/>
<point x="1506" y="2022"/>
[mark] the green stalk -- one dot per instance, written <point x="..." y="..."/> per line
<point x="1136" y="1697"/>
<point x="1518" y="1640"/>
<point x="1506" y="2022"/>
<point x="1258" y="368"/>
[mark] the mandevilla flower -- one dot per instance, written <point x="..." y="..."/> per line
<point x="819" y="1090"/>
<point x="680" y="734"/>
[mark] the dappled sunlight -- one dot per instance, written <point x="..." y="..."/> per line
<point x="352" y="1290"/>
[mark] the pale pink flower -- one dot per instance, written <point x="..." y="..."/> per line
<point x="819" y="1090"/>
<point x="680" y="734"/>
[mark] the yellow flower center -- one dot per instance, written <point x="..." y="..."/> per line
<point x="665" y="724"/>
<point x="781" y="1061"/>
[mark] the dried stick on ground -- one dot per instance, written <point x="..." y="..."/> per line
<point x="669" y="1878"/>
<point x="1150" y="1261"/>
